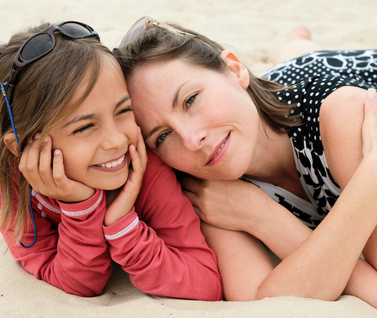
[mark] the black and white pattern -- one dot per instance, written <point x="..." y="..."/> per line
<point x="311" y="79"/>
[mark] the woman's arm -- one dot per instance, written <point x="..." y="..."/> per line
<point x="329" y="248"/>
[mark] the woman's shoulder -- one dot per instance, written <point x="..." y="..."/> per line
<point x="341" y="119"/>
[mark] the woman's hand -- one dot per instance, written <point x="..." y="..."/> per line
<point x="369" y="129"/>
<point x="45" y="173"/>
<point x="121" y="202"/>
<point x="226" y="204"/>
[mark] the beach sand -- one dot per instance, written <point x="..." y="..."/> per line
<point x="254" y="29"/>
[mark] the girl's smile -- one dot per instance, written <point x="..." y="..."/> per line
<point x="112" y="166"/>
<point x="95" y="137"/>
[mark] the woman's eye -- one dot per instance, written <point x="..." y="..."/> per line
<point x="160" y="139"/>
<point x="190" y="100"/>
<point x="82" y="129"/>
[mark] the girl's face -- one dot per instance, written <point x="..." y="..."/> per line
<point x="94" y="139"/>
<point x="196" y="120"/>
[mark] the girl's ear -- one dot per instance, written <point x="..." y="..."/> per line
<point x="10" y="142"/>
<point x="236" y="67"/>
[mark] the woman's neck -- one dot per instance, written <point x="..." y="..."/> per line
<point x="273" y="159"/>
<point x="274" y="163"/>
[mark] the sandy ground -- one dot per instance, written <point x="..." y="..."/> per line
<point x="252" y="28"/>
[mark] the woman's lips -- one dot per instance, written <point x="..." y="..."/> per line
<point x="218" y="154"/>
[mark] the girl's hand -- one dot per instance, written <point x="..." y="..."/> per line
<point x="226" y="204"/>
<point x="119" y="206"/>
<point x="45" y="173"/>
<point x="369" y="129"/>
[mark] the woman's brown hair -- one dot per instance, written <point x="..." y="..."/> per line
<point x="159" y="43"/>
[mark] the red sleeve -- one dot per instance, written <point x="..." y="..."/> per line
<point x="164" y="252"/>
<point x="73" y="257"/>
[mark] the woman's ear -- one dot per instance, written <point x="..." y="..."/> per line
<point x="236" y="67"/>
<point x="10" y="142"/>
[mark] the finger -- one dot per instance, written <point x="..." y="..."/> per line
<point x="135" y="159"/>
<point x="31" y="166"/>
<point x="190" y="184"/>
<point x="141" y="148"/>
<point x="58" y="167"/>
<point x="24" y="158"/>
<point x="193" y="198"/>
<point x="45" y="160"/>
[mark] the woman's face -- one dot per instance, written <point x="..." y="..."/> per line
<point x="196" y="120"/>
<point x="94" y="139"/>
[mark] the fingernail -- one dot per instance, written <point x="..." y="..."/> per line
<point x="371" y="95"/>
<point x="133" y="147"/>
<point x="37" y="136"/>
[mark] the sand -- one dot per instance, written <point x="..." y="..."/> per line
<point x="254" y="29"/>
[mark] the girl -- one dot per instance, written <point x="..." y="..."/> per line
<point x="67" y="123"/>
<point x="209" y="117"/>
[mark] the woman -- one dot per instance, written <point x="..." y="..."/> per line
<point x="202" y="112"/>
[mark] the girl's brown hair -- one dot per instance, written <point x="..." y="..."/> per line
<point x="158" y="43"/>
<point x="42" y="90"/>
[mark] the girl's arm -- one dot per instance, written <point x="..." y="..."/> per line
<point x="73" y="256"/>
<point x="160" y="244"/>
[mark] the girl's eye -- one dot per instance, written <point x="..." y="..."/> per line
<point x="82" y="129"/>
<point x="124" y="110"/>
<point x="160" y="139"/>
<point x="191" y="100"/>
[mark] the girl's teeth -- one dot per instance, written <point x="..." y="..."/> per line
<point x="113" y="164"/>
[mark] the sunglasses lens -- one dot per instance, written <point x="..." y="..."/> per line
<point x="37" y="46"/>
<point x="134" y="32"/>
<point x="75" y="30"/>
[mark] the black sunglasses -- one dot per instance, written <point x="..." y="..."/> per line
<point x="42" y="43"/>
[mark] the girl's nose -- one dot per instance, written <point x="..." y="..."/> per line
<point x="113" y="138"/>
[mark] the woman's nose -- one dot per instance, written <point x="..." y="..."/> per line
<point x="193" y="138"/>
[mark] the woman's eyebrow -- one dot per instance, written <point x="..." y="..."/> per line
<point x="176" y="95"/>
<point x="174" y="104"/>
<point x="150" y="134"/>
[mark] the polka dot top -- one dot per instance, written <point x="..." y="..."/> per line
<point x="311" y="78"/>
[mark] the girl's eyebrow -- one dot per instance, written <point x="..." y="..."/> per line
<point x="90" y="116"/>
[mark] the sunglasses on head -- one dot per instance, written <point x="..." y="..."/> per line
<point x="42" y="43"/>
<point x="144" y="24"/>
